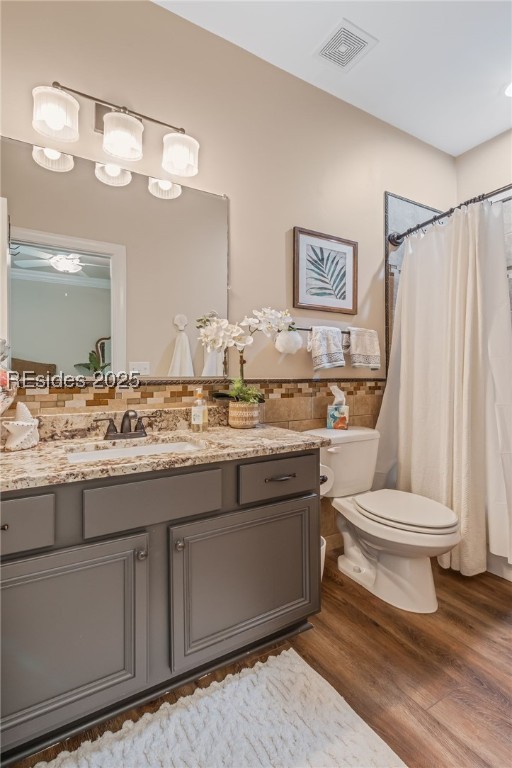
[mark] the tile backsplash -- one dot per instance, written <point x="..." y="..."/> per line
<point x="296" y="404"/>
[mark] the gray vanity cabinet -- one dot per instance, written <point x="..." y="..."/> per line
<point x="239" y="577"/>
<point x="115" y="589"/>
<point x="74" y="631"/>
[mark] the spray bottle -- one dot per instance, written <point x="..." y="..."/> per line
<point x="337" y="413"/>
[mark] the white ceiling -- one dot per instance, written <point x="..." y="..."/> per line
<point x="438" y="72"/>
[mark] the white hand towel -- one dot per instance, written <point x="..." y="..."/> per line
<point x="213" y="363"/>
<point x="325" y="345"/>
<point x="363" y="345"/>
<point x="181" y="363"/>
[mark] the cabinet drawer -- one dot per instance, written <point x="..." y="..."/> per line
<point x="146" y="502"/>
<point x="30" y="524"/>
<point x="276" y="479"/>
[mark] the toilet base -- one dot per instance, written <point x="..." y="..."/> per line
<point x="404" y="582"/>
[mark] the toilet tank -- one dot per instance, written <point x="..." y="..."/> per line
<point x="352" y="456"/>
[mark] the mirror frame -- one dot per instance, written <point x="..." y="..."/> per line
<point x="5" y="263"/>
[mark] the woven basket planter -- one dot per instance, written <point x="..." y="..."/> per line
<point x="243" y="415"/>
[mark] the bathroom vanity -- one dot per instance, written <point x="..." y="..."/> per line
<point x="119" y="580"/>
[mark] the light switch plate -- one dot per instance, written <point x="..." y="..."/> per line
<point x="141" y="368"/>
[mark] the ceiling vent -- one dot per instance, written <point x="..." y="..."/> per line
<point x="348" y="46"/>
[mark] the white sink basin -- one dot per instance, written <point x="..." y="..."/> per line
<point x="125" y="452"/>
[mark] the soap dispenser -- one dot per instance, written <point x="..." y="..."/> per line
<point x="199" y="419"/>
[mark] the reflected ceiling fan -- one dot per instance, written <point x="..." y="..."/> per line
<point x="62" y="262"/>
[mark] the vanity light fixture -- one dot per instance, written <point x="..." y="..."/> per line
<point x="112" y="174"/>
<point x="55" y="113"/>
<point x="69" y="263"/>
<point x="164" y="189"/>
<point x="508" y="90"/>
<point x="122" y="136"/>
<point x="52" y="159"/>
<point x="181" y="155"/>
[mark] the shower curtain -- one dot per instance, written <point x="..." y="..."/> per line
<point x="446" y="417"/>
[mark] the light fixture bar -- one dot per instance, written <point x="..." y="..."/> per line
<point x="117" y="107"/>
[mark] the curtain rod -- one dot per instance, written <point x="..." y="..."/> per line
<point x="344" y="333"/>
<point x="396" y="238"/>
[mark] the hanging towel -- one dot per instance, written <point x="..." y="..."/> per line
<point x="213" y="363"/>
<point x="363" y="346"/>
<point x="181" y="363"/>
<point x="325" y="345"/>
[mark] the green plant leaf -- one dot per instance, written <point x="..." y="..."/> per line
<point x="326" y="273"/>
<point x="240" y="392"/>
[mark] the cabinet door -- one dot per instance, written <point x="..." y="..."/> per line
<point x="74" y="634"/>
<point x="242" y="576"/>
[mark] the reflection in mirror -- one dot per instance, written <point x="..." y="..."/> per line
<point x="46" y="284"/>
<point x="141" y="261"/>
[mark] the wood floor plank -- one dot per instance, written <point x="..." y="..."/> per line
<point x="490" y="734"/>
<point x="424" y="682"/>
<point x="490" y="592"/>
<point x="497" y="626"/>
<point x="468" y="631"/>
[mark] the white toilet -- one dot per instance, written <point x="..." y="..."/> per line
<point x="388" y="535"/>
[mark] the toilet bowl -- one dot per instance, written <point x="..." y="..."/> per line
<point x="390" y="556"/>
<point x="389" y="536"/>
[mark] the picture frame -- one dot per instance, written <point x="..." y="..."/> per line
<point x="324" y="272"/>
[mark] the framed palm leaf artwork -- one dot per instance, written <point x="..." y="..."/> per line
<point x="324" y="272"/>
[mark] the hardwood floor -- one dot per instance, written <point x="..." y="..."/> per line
<point x="437" y="687"/>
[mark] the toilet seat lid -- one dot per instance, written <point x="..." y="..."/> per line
<point x="408" y="511"/>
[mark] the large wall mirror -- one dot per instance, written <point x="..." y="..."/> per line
<point x="98" y="273"/>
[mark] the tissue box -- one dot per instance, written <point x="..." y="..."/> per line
<point x="337" y="417"/>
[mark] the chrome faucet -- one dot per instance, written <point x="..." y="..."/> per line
<point x="126" y="426"/>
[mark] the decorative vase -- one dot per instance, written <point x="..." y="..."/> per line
<point x="243" y="415"/>
<point x="288" y="342"/>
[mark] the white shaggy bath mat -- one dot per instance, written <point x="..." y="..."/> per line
<point x="280" y="714"/>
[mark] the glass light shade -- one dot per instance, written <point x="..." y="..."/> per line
<point x="164" y="189"/>
<point x="181" y="154"/>
<point x="69" y="263"/>
<point x="122" y="136"/>
<point x="52" y="159"/>
<point x="508" y="90"/>
<point x="112" y="174"/>
<point x="55" y="113"/>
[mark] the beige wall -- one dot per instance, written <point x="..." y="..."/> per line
<point x="284" y="152"/>
<point x="484" y="168"/>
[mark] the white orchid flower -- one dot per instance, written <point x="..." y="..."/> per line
<point x="219" y="334"/>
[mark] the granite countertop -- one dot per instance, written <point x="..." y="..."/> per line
<point x="47" y="463"/>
